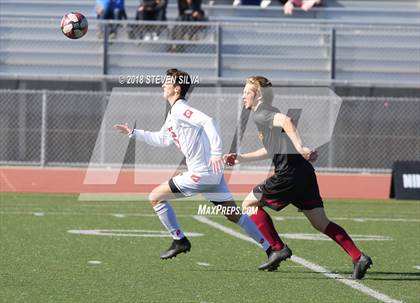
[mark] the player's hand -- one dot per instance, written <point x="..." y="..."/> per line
<point x="308" y="154"/>
<point x="123" y="128"/>
<point x="288" y="8"/>
<point x="232" y="159"/>
<point x="216" y="163"/>
<point x="307" y="5"/>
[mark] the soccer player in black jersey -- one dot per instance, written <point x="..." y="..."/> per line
<point x="294" y="180"/>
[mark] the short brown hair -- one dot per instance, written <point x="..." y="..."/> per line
<point x="181" y="78"/>
<point x="264" y="85"/>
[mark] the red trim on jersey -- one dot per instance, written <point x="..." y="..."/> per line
<point x="188" y="113"/>
<point x="195" y="178"/>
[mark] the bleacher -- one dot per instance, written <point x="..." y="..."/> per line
<point x="350" y="41"/>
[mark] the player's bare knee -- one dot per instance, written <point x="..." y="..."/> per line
<point x="247" y="204"/>
<point x="250" y="201"/>
<point x="154" y="199"/>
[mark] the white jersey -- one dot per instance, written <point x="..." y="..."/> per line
<point x="192" y="131"/>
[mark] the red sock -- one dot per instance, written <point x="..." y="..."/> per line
<point x="339" y="235"/>
<point x="266" y="227"/>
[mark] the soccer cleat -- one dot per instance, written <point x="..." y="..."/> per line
<point x="275" y="258"/>
<point x="177" y="247"/>
<point x="361" y="266"/>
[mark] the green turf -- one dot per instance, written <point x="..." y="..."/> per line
<point x="41" y="262"/>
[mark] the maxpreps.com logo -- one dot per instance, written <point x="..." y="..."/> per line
<point x="212" y="210"/>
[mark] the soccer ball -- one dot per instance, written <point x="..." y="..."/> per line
<point x="74" y="25"/>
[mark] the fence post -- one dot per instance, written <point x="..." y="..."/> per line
<point x="219" y="51"/>
<point x="21" y="119"/>
<point x="332" y="54"/>
<point x="331" y="148"/>
<point x="43" y="128"/>
<point x="103" y="129"/>
<point x="105" y="50"/>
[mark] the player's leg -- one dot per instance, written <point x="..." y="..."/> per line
<point x="320" y="221"/>
<point x="262" y="220"/>
<point x="159" y="198"/>
<point x="244" y="222"/>
<point x="266" y="226"/>
<point x="220" y="194"/>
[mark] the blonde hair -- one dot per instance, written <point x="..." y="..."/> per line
<point x="263" y="85"/>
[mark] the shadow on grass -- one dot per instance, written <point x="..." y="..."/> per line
<point x="283" y="274"/>
<point x="389" y="276"/>
<point x="378" y="275"/>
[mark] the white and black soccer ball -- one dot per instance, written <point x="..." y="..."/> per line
<point x="74" y="25"/>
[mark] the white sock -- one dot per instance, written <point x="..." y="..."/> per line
<point x="252" y="230"/>
<point x="167" y="216"/>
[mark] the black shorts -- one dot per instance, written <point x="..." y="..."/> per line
<point x="298" y="187"/>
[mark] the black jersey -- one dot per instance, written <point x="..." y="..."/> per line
<point x="278" y="145"/>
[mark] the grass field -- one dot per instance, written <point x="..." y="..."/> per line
<point x="42" y="262"/>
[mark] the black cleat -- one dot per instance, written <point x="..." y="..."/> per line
<point x="275" y="258"/>
<point x="361" y="266"/>
<point x="177" y="247"/>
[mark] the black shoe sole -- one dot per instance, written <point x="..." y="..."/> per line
<point x="174" y="256"/>
<point x="275" y="266"/>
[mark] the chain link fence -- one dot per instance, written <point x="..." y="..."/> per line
<point x="56" y="128"/>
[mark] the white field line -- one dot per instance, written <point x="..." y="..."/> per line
<point x="203" y="264"/>
<point x="312" y="266"/>
<point x="277" y="218"/>
<point x="6" y="181"/>
<point x="117" y="215"/>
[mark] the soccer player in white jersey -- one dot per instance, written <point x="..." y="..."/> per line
<point x="196" y="135"/>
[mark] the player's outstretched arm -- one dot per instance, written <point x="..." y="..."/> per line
<point x="285" y="122"/>
<point x="159" y="138"/>
<point x="233" y="158"/>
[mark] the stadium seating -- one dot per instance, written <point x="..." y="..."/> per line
<point x="357" y="11"/>
<point x="376" y="42"/>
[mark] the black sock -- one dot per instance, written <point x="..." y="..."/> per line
<point x="268" y="251"/>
